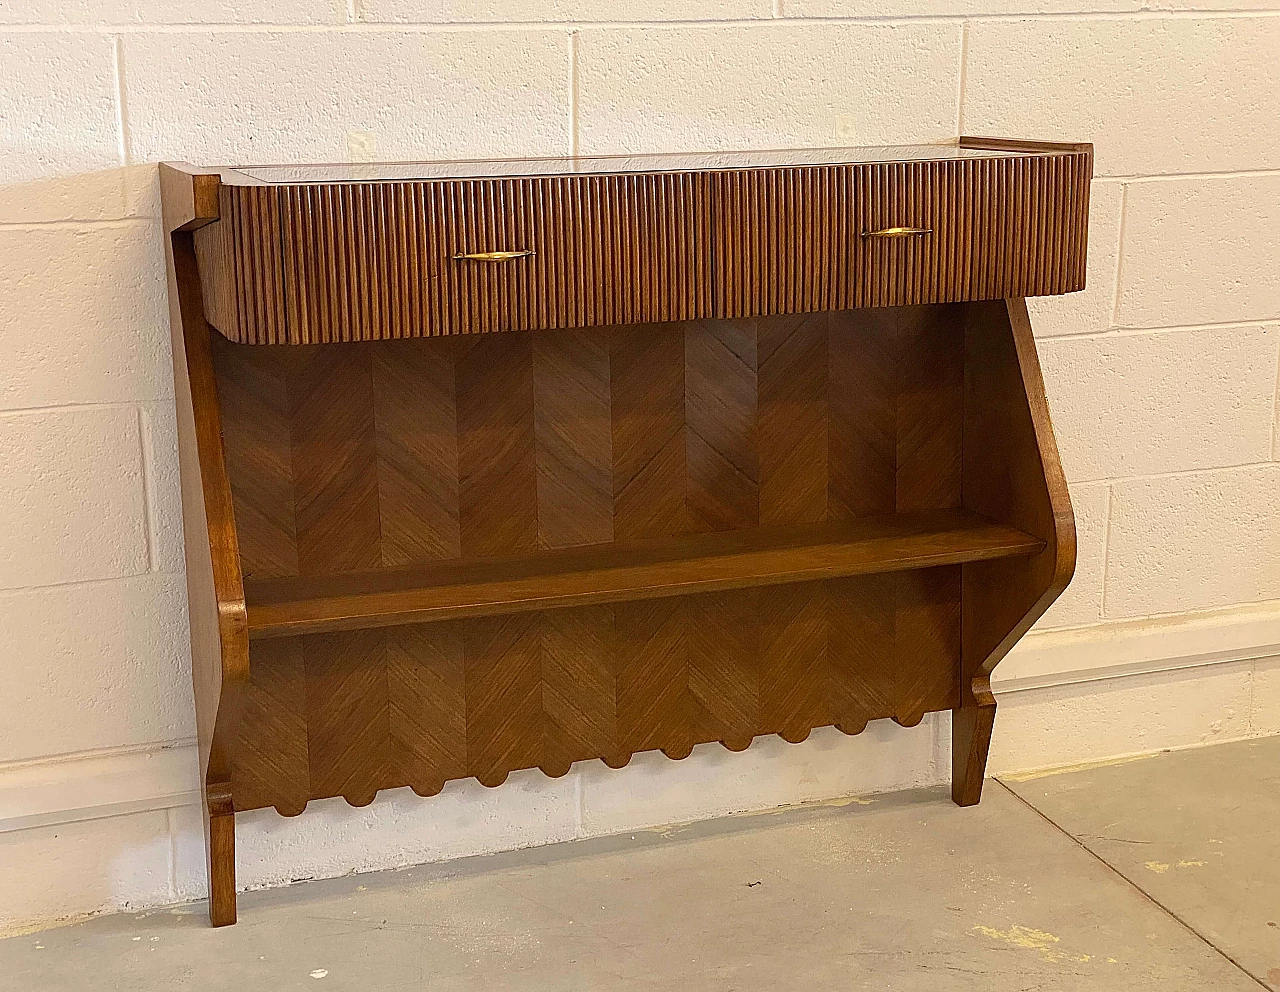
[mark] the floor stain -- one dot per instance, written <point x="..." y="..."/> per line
<point x="1034" y="940"/>
<point x="1035" y="773"/>
<point x="1160" y="867"/>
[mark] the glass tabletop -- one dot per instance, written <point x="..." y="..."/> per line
<point x="338" y="172"/>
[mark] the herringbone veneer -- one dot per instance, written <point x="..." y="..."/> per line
<point x="363" y="456"/>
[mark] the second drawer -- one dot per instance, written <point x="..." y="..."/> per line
<point x="794" y="240"/>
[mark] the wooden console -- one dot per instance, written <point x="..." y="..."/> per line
<point x="761" y="446"/>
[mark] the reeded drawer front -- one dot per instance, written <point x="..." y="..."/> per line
<point x="795" y="240"/>
<point x="301" y="264"/>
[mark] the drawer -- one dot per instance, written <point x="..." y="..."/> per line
<point x="323" y="262"/>
<point x="793" y="240"/>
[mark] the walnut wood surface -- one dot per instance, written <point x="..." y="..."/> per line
<point x="715" y="454"/>
<point x="1012" y="474"/>
<point x="794" y="240"/>
<point x="639" y="526"/>
<point x="362" y="261"/>
<point x="369" y="261"/>
<point x="215" y="594"/>
<point x="609" y="573"/>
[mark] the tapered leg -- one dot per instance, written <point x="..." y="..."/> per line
<point x="970" y="739"/>
<point x="222" y="863"/>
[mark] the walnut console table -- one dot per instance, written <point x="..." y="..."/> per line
<point x="762" y="446"/>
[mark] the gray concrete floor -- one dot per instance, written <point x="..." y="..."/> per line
<point x="1158" y="873"/>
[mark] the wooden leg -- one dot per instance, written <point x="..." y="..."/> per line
<point x="970" y="738"/>
<point x="222" y="864"/>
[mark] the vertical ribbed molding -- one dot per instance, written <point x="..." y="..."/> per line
<point x="311" y="264"/>
<point x="371" y="261"/>
<point x="791" y="240"/>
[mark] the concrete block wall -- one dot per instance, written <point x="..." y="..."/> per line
<point x="1162" y="375"/>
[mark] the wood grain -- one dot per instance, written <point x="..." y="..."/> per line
<point x="656" y="568"/>
<point x="497" y="461"/>
<point x="786" y="483"/>
<point x="416" y="428"/>
<point x="215" y="593"/>
<point x="792" y="240"/>
<point x="298" y="264"/>
<point x="1012" y="473"/>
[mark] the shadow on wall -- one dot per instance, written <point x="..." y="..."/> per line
<point x="112" y="194"/>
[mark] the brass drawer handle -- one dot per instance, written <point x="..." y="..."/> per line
<point x="898" y="232"/>
<point x="492" y="256"/>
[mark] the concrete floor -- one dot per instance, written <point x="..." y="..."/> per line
<point x="1157" y="873"/>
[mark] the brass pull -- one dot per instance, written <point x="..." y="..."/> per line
<point x="898" y="232"/>
<point x="492" y="256"/>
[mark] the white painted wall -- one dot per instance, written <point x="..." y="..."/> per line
<point x="1162" y="375"/>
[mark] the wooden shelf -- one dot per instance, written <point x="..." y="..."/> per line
<point x="616" y="573"/>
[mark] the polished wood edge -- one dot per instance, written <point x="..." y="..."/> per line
<point x="717" y="562"/>
<point x="188" y="195"/>
<point x="215" y="586"/>
<point x="1062" y="543"/>
<point x="1024" y="486"/>
<point x="214" y="481"/>
<point x="1023" y="144"/>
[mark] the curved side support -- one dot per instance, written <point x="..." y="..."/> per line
<point x="215" y="587"/>
<point x="1011" y="474"/>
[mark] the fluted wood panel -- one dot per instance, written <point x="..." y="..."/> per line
<point x="309" y="264"/>
<point x="334" y="262"/>
<point x="393" y="453"/>
<point x="792" y="240"/>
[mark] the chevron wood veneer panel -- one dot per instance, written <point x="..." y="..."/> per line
<point x="897" y="378"/>
<point x="416" y="427"/>
<point x="254" y="393"/>
<point x="348" y="714"/>
<point x="579" y="688"/>
<point x="574" y="438"/>
<point x="647" y="389"/>
<point x="796" y="687"/>
<point x="427" y="715"/>
<point x="862" y="351"/>
<point x="655" y="706"/>
<point x="721" y="424"/>
<point x="724" y="665"/>
<point x="503" y="696"/>
<point x="334" y="460"/>
<point x="396" y="453"/>
<point x="271" y="766"/>
<point x="497" y="465"/>
<point x="792" y="426"/>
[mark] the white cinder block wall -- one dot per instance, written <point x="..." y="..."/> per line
<point x="1162" y="375"/>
